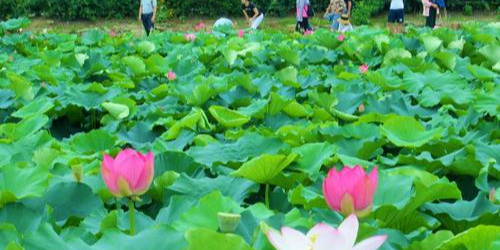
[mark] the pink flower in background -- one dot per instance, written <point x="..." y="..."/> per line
<point x="171" y="76"/>
<point x="361" y="108"/>
<point x="241" y="33"/>
<point x="129" y="174"/>
<point x="350" y="190"/>
<point x="324" y="237"/>
<point x="363" y="68"/>
<point x="341" y="37"/>
<point x="112" y="33"/>
<point x="200" y="26"/>
<point x="190" y="37"/>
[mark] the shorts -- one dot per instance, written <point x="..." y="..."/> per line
<point x="396" y="16"/>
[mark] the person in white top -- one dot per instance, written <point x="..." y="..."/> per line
<point x="396" y="16"/>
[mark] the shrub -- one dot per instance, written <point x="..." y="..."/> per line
<point x="468" y="10"/>
<point x="91" y="9"/>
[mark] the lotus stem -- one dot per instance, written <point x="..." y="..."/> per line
<point x="267" y="195"/>
<point x="131" y="213"/>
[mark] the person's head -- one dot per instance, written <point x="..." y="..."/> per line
<point x="245" y="2"/>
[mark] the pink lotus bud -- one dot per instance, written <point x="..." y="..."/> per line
<point x="171" y="76"/>
<point x="190" y="37"/>
<point x="129" y="174"/>
<point x="112" y="33"/>
<point x="363" y="68"/>
<point x="241" y="33"/>
<point x="361" y="108"/>
<point x="323" y="237"/>
<point x="199" y="26"/>
<point x="341" y="37"/>
<point x="308" y="32"/>
<point x="350" y="190"/>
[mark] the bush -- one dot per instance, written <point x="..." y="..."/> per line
<point x="468" y="10"/>
<point x="13" y="8"/>
<point x="362" y="12"/>
<point x="91" y="9"/>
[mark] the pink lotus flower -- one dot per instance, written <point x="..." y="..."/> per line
<point x="324" y="237"/>
<point x="199" y="26"/>
<point x="112" y="33"/>
<point x="241" y="33"/>
<point x="350" y="190"/>
<point x="361" y="108"/>
<point x="341" y="37"/>
<point x="171" y="76"/>
<point x="190" y="37"/>
<point x="363" y="68"/>
<point x="129" y="174"/>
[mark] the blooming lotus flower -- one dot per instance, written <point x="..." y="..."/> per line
<point x="324" y="237"/>
<point x="112" y="33"/>
<point x="341" y="37"/>
<point x="171" y="76"/>
<point x="129" y="174"/>
<point x="308" y="32"/>
<point x="350" y="190"/>
<point x="190" y="37"/>
<point x="199" y="26"/>
<point x="363" y="68"/>
<point x="241" y="33"/>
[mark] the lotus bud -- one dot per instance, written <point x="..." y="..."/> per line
<point x="228" y="222"/>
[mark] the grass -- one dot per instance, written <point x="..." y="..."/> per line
<point x="286" y="24"/>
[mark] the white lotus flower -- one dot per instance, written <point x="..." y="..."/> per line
<point x="324" y="237"/>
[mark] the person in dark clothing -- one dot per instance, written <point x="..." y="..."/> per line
<point x="348" y="4"/>
<point x="147" y="14"/>
<point x="430" y="10"/>
<point x="252" y="14"/>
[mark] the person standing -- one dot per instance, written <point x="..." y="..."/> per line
<point x="147" y="14"/>
<point x="252" y="14"/>
<point x="302" y="15"/>
<point x="348" y="4"/>
<point x="396" y="16"/>
<point x="335" y="9"/>
<point x="430" y="12"/>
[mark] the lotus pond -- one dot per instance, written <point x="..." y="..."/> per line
<point x="242" y="130"/>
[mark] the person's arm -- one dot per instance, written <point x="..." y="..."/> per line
<point x="154" y="10"/>
<point x="349" y="7"/>
<point x="246" y="16"/>
<point x="140" y="11"/>
<point x="257" y="13"/>
<point x="427" y="3"/>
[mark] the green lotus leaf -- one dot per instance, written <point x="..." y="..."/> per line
<point x="264" y="168"/>
<point x="407" y="132"/>
<point x="228" y="118"/>
<point x="118" y="111"/>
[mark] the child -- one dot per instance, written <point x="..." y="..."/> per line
<point x="302" y="16"/>
<point x="344" y="23"/>
<point x="147" y="14"/>
<point x="333" y="12"/>
<point x="430" y="11"/>
<point x="396" y="15"/>
<point x="252" y="14"/>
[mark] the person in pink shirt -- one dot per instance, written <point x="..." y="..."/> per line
<point x="302" y="16"/>
<point x="430" y="11"/>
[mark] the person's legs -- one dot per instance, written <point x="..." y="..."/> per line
<point x="305" y="23"/>
<point x="400" y="21"/>
<point x="257" y="21"/>
<point x="335" y="22"/>
<point x="431" y="19"/>
<point x="146" y="22"/>
<point x="391" y="19"/>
